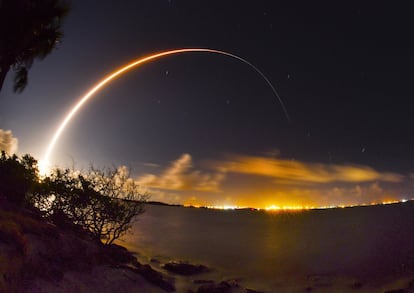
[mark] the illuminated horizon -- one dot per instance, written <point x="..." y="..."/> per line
<point x="281" y="208"/>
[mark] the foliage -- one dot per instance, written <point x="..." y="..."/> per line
<point x="117" y="202"/>
<point x="29" y="30"/>
<point x="104" y="202"/>
<point x="17" y="177"/>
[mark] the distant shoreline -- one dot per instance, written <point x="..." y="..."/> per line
<point x="283" y="209"/>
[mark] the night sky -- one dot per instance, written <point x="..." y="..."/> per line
<point x="206" y="129"/>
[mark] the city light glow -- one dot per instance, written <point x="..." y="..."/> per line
<point x="293" y="208"/>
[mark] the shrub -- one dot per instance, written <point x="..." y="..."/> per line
<point x="104" y="202"/>
<point x="17" y="177"/>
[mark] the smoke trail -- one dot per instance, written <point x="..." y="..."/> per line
<point x="45" y="162"/>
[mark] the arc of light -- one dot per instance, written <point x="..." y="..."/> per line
<point x="129" y="66"/>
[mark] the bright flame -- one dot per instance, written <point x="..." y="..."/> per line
<point x="131" y="65"/>
<point x="44" y="167"/>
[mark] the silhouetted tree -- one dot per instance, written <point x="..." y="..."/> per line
<point x="29" y="29"/>
<point x="103" y="202"/>
<point x="17" y="177"/>
<point x="114" y="214"/>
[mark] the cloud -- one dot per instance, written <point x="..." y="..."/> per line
<point x="245" y="180"/>
<point x="151" y="165"/>
<point x="288" y="171"/>
<point x="376" y="188"/>
<point x="180" y="175"/>
<point x="8" y="142"/>
<point x="365" y="193"/>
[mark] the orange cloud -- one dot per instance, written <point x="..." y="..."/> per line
<point x="8" y="142"/>
<point x="180" y="175"/>
<point x="288" y="171"/>
<point x="319" y="195"/>
<point x="243" y="180"/>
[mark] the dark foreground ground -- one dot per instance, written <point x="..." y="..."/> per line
<point x="36" y="256"/>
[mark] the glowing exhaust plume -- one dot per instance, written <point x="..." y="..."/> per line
<point x="124" y="69"/>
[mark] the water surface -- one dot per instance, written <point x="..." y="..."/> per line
<point x="372" y="245"/>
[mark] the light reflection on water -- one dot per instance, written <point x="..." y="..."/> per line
<point x="366" y="243"/>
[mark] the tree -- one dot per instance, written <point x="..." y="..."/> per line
<point x="116" y="205"/>
<point x="17" y="177"/>
<point x="29" y="30"/>
<point x="105" y="202"/>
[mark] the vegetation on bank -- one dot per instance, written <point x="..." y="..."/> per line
<point x="103" y="203"/>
